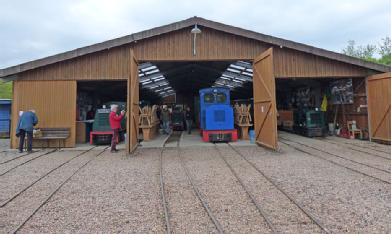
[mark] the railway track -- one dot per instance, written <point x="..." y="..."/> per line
<point x="17" y="229"/>
<point x="296" y="203"/>
<point x="339" y="156"/>
<point x="175" y="136"/>
<point x="261" y="211"/>
<point x="14" y="158"/>
<point x="11" y="198"/>
<point x="25" y="162"/>
<point x="369" y="145"/>
<point x="162" y="190"/>
<point x="355" y="148"/>
<point x="289" y="143"/>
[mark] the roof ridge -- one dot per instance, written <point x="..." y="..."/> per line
<point x="156" y="31"/>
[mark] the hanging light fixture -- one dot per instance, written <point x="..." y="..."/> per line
<point x="195" y="31"/>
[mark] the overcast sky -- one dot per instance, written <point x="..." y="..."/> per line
<point x="34" y="29"/>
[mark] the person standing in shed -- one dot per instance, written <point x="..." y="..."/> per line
<point x="26" y="123"/>
<point x="115" y="124"/>
<point x="189" y="119"/>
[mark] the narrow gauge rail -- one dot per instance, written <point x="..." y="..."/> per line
<point x="172" y="138"/>
<point x="344" y="144"/>
<point x="339" y="156"/>
<point x="11" y="198"/>
<point x="286" y="142"/>
<point x="162" y="189"/>
<point x="27" y="161"/>
<point x="14" y="158"/>
<point x="301" y="207"/>
<point x="371" y="147"/>
<point x="17" y="229"/>
<point x="261" y="211"/>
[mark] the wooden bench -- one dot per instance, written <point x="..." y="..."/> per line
<point x="48" y="134"/>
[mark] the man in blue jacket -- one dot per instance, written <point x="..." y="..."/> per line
<point x="26" y="123"/>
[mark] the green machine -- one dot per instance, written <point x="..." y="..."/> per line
<point x="310" y="123"/>
<point x="101" y="123"/>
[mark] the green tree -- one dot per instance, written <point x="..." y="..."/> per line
<point x="385" y="51"/>
<point x="369" y="51"/>
<point x="5" y="90"/>
<point x="363" y="52"/>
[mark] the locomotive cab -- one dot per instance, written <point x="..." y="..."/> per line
<point x="216" y="115"/>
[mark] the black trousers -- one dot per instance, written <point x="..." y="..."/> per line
<point x="22" y="135"/>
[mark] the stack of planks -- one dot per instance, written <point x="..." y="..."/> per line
<point x="243" y="119"/>
<point x="149" y="122"/>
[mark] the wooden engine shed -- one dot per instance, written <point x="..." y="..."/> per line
<point x="49" y="85"/>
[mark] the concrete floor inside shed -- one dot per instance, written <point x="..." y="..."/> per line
<point x="344" y="184"/>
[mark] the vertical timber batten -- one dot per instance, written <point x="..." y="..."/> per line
<point x="379" y="107"/>
<point x="132" y="105"/>
<point x="54" y="103"/>
<point x="265" y="110"/>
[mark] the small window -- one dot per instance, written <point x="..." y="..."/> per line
<point x="208" y="98"/>
<point x="221" y="98"/>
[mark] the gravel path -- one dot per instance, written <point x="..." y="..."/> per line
<point x="114" y="193"/>
<point x="226" y="198"/>
<point x="283" y="214"/>
<point x="23" y="176"/>
<point x="343" y="200"/>
<point x="11" y="165"/>
<point x="120" y="195"/>
<point x="384" y="175"/>
<point x="21" y="207"/>
<point x="186" y="212"/>
<point x="366" y="144"/>
<point x="342" y="151"/>
<point x="368" y="148"/>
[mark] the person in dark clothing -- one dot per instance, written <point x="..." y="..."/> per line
<point x="189" y="119"/>
<point x="165" y="117"/>
<point x="25" y="126"/>
<point x="90" y="114"/>
<point x="115" y="124"/>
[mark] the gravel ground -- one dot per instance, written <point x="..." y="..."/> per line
<point x="120" y="195"/>
<point x="4" y="144"/>
<point x="344" y="201"/>
<point x="284" y="215"/>
<point x="115" y="193"/>
<point x="24" y="175"/>
<point x="226" y="198"/>
<point x="186" y="212"/>
<point x="377" y="163"/>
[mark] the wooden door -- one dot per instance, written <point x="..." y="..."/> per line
<point x="133" y="105"/>
<point x="265" y="112"/>
<point x="379" y="106"/>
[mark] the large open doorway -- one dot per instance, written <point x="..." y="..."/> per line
<point x="94" y="99"/>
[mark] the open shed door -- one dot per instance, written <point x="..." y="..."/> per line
<point x="265" y="112"/>
<point x="379" y="106"/>
<point x="133" y="105"/>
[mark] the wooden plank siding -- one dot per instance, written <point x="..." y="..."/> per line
<point x="177" y="46"/>
<point x="54" y="103"/>
<point x="112" y="64"/>
<point x="379" y="106"/>
<point x="294" y="64"/>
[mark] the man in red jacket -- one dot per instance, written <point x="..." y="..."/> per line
<point x="115" y="124"/>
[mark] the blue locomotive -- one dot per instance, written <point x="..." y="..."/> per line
<point x="216" y="115"/>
